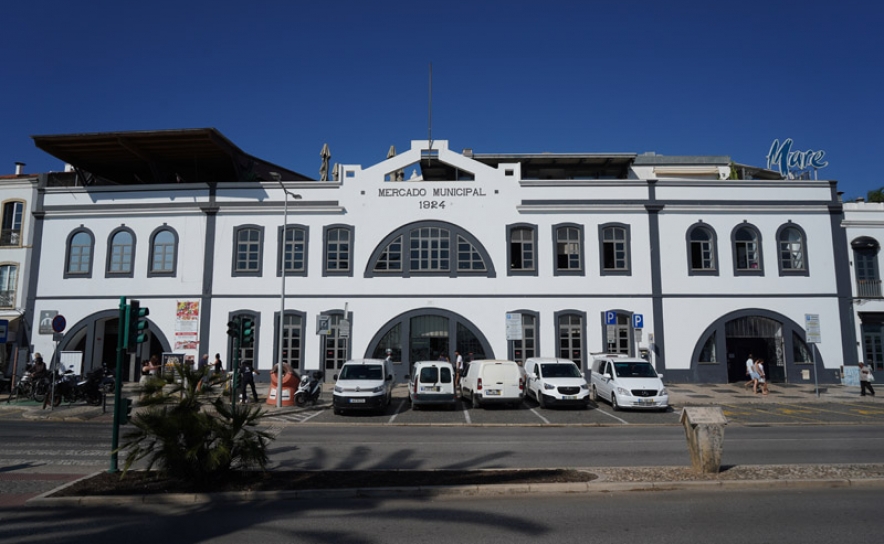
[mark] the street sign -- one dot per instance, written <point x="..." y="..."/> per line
<point x="59" y="323"/>
<point x="343" y="329"/>
<point x="323" y="324"/>
<point x="812" y="326"/>
<point x="610" y="318"/>
<point x="638" y="321"/>
<point x="514" y="326"/>
<point x="46" y="321"/>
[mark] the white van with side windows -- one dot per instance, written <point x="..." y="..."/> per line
<point x="556" y="382"/>
<point x="627" y="382"/>
<point x="363" y="384"/>
<point x="432" y="383"/>
<point x="493" y="382"/>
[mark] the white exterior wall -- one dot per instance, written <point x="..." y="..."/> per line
<point x="687" y="305"/>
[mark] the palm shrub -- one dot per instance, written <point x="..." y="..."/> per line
<point x="188" y="431"/>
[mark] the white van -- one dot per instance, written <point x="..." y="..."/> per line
<point x="627" y="382"/>
<point x="432" y="383"/>
<point x="363" y="384"/>
<point x="556" y="382"/>
<point x="491" y="381"/>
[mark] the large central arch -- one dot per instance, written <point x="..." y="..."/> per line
<point x="425" y="334"/>
<point x="721" y="352"/>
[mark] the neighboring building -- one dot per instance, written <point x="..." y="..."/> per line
<point x="433" y="251"/>
<point x="864" y="226"/>
<point x="17" y="195"/>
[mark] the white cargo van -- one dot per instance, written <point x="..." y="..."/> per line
<point x="627" y="382"/>
<point x="432" y="383"/>
<point x="363" y="384"/>
<point x="491" y="381"/>
<point x="555" y="382"/>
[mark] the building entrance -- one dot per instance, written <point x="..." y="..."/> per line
<point x="428" y="335"/>
<point x="759" y="337"/>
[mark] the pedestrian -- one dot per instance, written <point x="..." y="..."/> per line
<point x="458" y="367"/>
<point x="389" y="358"/>
<point x="762" y="379"/>
<point x="750" y="371"/>
<point x="204" y="363"/>
<point x="247" y="374"/>
<point x="865" y="380"/>
<point x="219" y="366"/>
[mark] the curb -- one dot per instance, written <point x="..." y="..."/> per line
<point x="595" y="486"/>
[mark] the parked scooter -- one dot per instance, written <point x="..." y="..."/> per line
<point x="71" y="388"/>
<point x="309" y="389"/>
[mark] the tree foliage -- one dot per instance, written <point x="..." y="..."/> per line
<point x="189" y="432"/>
<point x="875" y="195"/>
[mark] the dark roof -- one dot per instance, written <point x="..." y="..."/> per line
<point x="564" y="165"/>
<point x="160" y="156"/>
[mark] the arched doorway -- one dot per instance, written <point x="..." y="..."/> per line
<point x="425" y="335"/>
<point x="721" y="352"/>
<point x="96" y="337"/>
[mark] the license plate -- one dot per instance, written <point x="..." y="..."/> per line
<point x="569" y="397"/>
<point x="646" y="401"/>
<point x="357" y="401"/>
<point x="429" y="388"/>
<point x="492" y="392"/>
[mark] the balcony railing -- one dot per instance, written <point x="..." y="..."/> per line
<point x="10" y="237"/>
<point x="868" y="288"/>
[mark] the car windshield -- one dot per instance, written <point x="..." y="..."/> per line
<point x="362" y="372"/>
<point x="560" y="370"/>
<point x="635" y="370"/>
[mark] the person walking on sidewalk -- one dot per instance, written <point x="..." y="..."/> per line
<point x="865" y="380"/>
<point x="247" y="374"/>
<point x="752" y="373"/>
<point x="761" y="378"/>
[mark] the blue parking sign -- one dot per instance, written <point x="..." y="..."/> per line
<point x="638" y="321"/>
<point x="610" y="318"/>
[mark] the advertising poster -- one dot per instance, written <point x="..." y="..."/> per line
<point x="187" y="319"/>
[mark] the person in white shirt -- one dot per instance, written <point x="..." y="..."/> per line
<point x="865" y="380"/>
<point x="752" y="373"/>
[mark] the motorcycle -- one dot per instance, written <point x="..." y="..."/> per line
<point x="309" y="389"/>
<point x="71" y="387"/>
<point x="108" y="380"/>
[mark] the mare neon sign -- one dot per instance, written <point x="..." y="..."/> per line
<point x="783" y="159"/>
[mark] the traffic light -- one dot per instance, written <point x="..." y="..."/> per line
<point x="124" y="410"/>
<point x="136" y="325"/>
<point x="233" y="328"/>
<point x="247" y="333"/>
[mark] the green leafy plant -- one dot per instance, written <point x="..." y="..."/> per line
<point x="187" y="431"/>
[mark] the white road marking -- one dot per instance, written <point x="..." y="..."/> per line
<point x="536" y="413"/>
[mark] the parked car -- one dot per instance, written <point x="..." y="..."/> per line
<point x="491" y="381"/>
<point x="627" y="382"/>
<point x="363" y="384"/>
<point x="555" y="382"/>
<point x="432" y="383"/>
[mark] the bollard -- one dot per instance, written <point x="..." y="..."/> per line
<point x="704" y="429"/>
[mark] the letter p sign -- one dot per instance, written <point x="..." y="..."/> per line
<point x="610" y="318"/>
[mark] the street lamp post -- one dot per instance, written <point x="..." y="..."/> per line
<point x="283" y="262"/>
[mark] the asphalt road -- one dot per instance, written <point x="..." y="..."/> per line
<point x="805" y="516"/>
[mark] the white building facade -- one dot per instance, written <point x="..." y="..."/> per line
<point x="434" y="251"/>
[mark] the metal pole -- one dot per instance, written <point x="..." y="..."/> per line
<point x="285" y="225"/>
<point x="816" y="382"/>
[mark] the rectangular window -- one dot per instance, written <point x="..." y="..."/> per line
<point x="248" y="250"/>
<point x="614" y="249"/>
<point x="12" y="218"/>
<point x="430" y="249"/>
<point x="294" y="254"/>
<point x="338" y="250"/>
<point x="568" y="248"/>
<point x="522" y="249"/>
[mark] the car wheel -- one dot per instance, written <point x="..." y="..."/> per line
<point x="473" y="400"/>
<point x="593" y="394"/>
<point x="337" y="411"/>
<point x="614" y="404"/>
<point x="540" y="400"/>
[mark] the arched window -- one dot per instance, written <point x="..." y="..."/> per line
<point x="792" y="247"/>
<point x="522" y="248"/>
<point x="80" y="246"/>
<point x="747" y="251"/>
<point x="702" y="251"/>
<point x="120" y="252"/>
<point x="163" y="252"/>
<point x="248" y="251"/>
<point x="568" y="243"/>
<point x="435" y="248"/>
<point x="614" y="250"/>
<point x="338" y="250"/>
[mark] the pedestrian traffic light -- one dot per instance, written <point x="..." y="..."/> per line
<point x="124" y="411"/>
<point x="233" y="327"/>
<point x="136" y="325"/>
<point x="247" y="334"/>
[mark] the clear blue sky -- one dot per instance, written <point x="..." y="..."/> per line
<point x="280" y="79"/>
